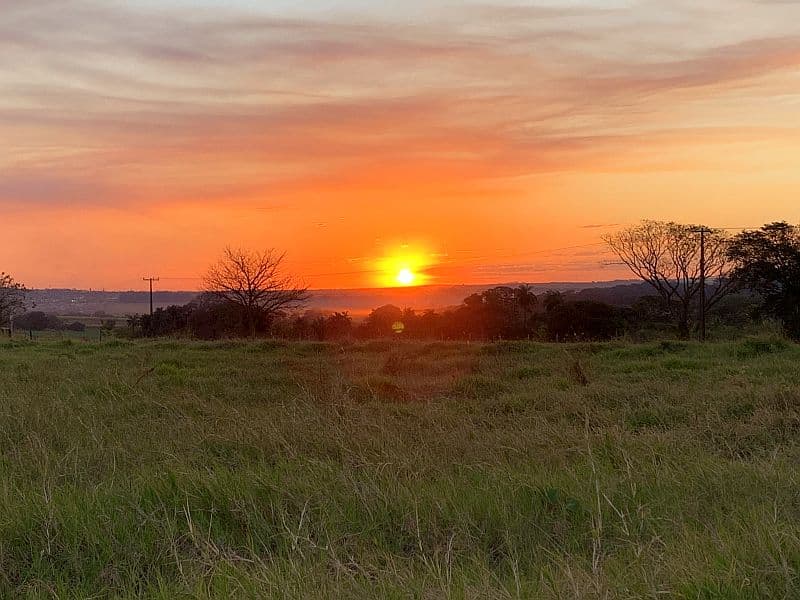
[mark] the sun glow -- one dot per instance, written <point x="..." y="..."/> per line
<point x="405" y="267"/>
<point x="406" y="277"/>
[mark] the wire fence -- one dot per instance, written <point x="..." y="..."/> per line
<point x="90" y="334"/>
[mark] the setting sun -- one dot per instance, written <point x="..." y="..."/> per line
<point x="406" y="277"/>
<point x="404" y="266"/>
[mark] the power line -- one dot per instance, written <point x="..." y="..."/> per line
<point x="463" y="260"/>
<point x="476" y="258"/>
<point x="468" y="260"/>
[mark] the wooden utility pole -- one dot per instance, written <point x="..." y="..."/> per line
<point x="151" y="280"/>
<point x="703" y="231"/>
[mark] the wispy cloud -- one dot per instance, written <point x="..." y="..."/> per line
<point x="125" y="104"/>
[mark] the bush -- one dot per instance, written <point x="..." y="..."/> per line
<point x="37" y="321"/>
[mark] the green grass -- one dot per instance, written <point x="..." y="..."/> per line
<point x="175" y="469"/>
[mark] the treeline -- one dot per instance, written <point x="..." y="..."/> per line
<point x="501" y="313"/>
<point x="693" y="269"/>
<point x="41" y="321"/>
<point x="698" y="277"/>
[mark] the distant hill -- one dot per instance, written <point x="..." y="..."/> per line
<point x="618" y="295"/>
<point x="356" y="301"/>
<point x="88" y="302"/>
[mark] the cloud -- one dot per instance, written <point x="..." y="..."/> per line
<point x="317" y="96"/>
<point x="39" y="189"/>
<point x="143" y="105"/>
<point x="716" y="66"/>
<point x="600" y="226"/>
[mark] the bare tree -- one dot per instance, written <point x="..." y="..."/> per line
<point x="12" y="298"/>
<point x="254" y="281"/>
<point x="668" y="257"/>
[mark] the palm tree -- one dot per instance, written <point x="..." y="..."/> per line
<point x="527" y="302"/>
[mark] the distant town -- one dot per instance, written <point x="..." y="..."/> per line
<point x="92" y="303"/>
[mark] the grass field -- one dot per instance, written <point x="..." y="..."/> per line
<point x="257" y="469"/>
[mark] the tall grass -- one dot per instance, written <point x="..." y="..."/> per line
<point x="169" y="469"/>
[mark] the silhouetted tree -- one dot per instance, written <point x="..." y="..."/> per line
<point x="381" y="322"/>
<point x="502" y="313"/>
<point x="309" y="325"/>
<point x="737" y="309"/>
<point x="296" y="326"/>
<point x="552" y="300"/>
<point x="338" y="326"/>
<point x="254" y="281"/>
<point x="433" y="325"/>
<point x="12" y="298"/>
<point x="496" y="313"/>
<point x="172" y="320"/>
<point x="527" y="302"/>
<point x="581" y="321"/>
<point x="768" y="262"/>
<point x="76" y="326"/>
<point x="212" y="317"/>
<point x="651" y="309"/>
<point x="37" y="321"/>
<point x="134" y="323"/>
<point x="667" y="256"/>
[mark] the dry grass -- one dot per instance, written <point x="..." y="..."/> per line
<point x="179" y="469"/>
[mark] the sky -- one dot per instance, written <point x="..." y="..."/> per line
<point x="471" y="142"/>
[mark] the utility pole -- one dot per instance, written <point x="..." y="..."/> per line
<point x="703" y="231"/>
<point x="151" y="280"/>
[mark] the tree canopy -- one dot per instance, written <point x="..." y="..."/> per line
<point x="255" y="282"/>
<point x="12" y="298"/>
<point x="768" y="262"/>
<point x="668" y="257"/>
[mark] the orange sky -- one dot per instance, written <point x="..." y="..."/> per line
<point x="477" y="139"/>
